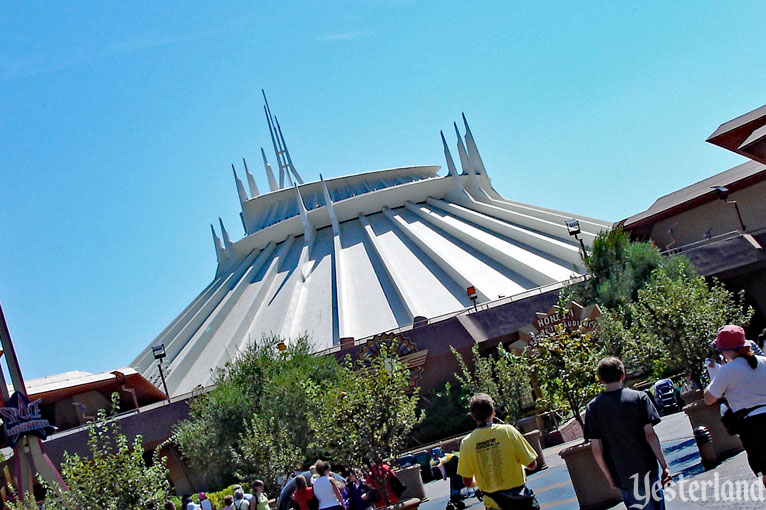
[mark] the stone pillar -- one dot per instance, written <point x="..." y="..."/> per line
<point x="533" y="438"/>
<point x="590" y="484"/>
<point x="709" y="417"/>
<point x="410" y="477"/>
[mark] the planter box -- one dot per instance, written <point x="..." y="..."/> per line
<point x="590" y="484"/>
<point x="410" y="477"/>
<point x="707" y="416"/>
<point x="533" y="438"/>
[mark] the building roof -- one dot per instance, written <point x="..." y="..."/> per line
<point x="365" y="254"/>
<point x="697" y="194"/>
<point x="60" y="386"/>
<point x="744" y="135"/>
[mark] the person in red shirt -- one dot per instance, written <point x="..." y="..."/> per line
<point x="378" y="477"/>
<point x="303" y="494"/>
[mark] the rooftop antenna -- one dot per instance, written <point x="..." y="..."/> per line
<point x="290" y="165"/>
<point x="284" y="160"/>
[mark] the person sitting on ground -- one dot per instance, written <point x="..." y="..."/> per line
<point x="619" y="423"/>
<point x="357" y="492"/>
<point x="260" y="497"/>
<point x="228" y="500"/>
<point x="326" y="488"/>
<point x="742" y="382"/>
<point x="379" y="477"/>
<point x="496" y="455"/>
<point x="303" y="493"/>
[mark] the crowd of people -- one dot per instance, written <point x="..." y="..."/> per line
<point x="318" y="488"/>
<point x="619" y="423"/>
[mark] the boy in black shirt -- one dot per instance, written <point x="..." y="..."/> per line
<point x="619" y="423"/>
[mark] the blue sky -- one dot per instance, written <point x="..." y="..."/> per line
<point x="119" y="122"/>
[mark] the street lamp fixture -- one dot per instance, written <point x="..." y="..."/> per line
<point x="159" y="355"/>
<point x="723" y="194"/>
<point x="573" y="227"/>
<point x="471" y="291"/>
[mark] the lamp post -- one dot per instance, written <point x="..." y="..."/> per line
<point x="159" y="355"/>
<point x="723" y="194"/>
<point x="573" y="227"/>
<point x="471" y="291"/>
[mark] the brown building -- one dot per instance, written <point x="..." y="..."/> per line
<point x="719" y="223"/>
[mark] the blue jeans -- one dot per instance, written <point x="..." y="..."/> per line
<point x="641" y="497"/>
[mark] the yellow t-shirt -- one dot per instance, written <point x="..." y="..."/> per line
<point x="495" y="456"/>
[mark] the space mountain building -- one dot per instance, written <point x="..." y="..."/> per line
<point x="347" y="258"/>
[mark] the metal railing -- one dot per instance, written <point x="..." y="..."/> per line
<point x="468" y="310"/>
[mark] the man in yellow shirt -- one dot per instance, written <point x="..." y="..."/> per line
<point x="496" y="456"/>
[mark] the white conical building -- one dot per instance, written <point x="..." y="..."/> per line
<point x="363" y="254"/>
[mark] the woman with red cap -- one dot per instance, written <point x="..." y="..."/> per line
<point x="742" y="382"/>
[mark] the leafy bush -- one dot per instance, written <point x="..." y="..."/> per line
<point x="370" y="410"/>
<point x="114" y="476"/>
<point x="446" y="409"/>
<point x="264" y="384"/>
<point x="504" y="376"/>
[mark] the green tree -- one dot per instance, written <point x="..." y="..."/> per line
<point x="369" y="411"/>
<point x="504" y="376"/>
<point x="678" y="314"/>
<point x="263" y="383"/>
<point x="565" y="362"/>
<point x="265" y="450"/>
<point x="446" y="409"/>
<point x="114" y="476"/>
<point x="617" y="268"/>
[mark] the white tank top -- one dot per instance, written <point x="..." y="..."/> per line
<point x="324" y="493"/>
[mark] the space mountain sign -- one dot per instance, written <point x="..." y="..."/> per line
<point x="22" y="417"/>
<point x="575" y="318"/>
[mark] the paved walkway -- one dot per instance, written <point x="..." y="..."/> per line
<point x="554" y="488"/>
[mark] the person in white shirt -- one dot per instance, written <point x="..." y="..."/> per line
<point x="742" y="382"/>
<point x="204" y="503"/>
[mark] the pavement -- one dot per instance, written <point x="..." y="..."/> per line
<point x="554" y="490"/>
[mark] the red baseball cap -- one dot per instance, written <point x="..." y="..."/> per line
<point x="729" y="338"/>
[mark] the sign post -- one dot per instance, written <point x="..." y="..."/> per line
<point x="24" y="427"/>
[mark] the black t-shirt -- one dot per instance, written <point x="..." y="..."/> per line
<point x="617" y="418"/>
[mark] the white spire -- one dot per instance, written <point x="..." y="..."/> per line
<point x="465" y="164"/>
<point x="473" y="152"/>
<point x="308" y="228"/>
<point x="251" y="181"/>
<point x="240" y="188"/>
<point x="330" y="207"/>
<point x="451" y="170"/>
<point x="269" y="173"/>
<point x="226" y="241"/>
<point x="277" y="151"/>
<point x="290" y="166"/>
<point x="220" y="254"/>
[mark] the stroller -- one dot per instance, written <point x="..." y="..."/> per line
<point x="447" y="469"/>
<point x="665" y="398"/>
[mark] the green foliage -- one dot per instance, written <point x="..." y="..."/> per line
<point x="369" y="411"/>
<point x="565" y="363"/>
<point x="114" y="476"/>
<point x="678" y="314"/>
<point x="261" y="382"/>
<point x="617" y="270"/>
<point x="503" y="376"/>
<point x="266" y="450"/>
<point x="446" y="409"/>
